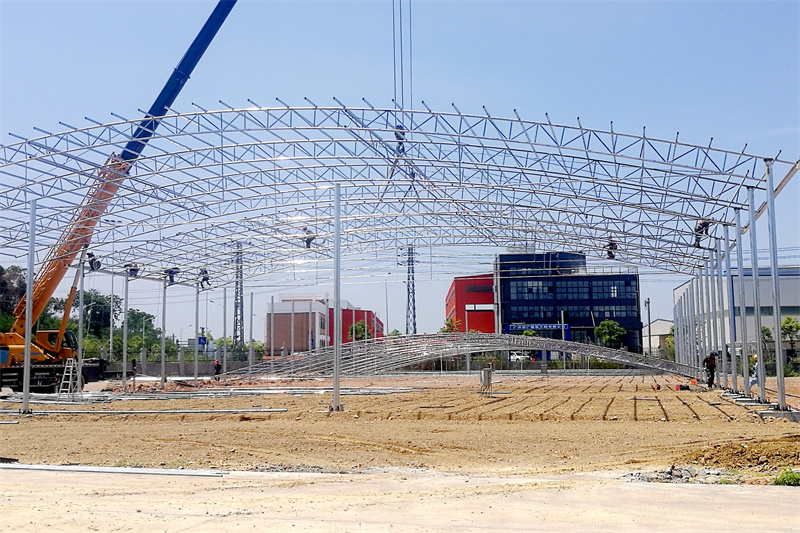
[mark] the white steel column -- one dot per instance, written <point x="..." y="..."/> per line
<point x="196" y="326"/>
<point x="291" y="340"/>
<point x="125" y="330"/>
<point x="731" y="307"/>
<point x="701" y="325"/>
<point x="678" y="336"/>
<point x="82" y="274"/>
<point x="694" y="324"/>
<point x="164" y="335"/>
<point x="337" y="297"/>
<point x="310" y="335"/>
<point x="272" y="334"/>
<point x="712" y="316"/>
<point x="721" y="319"/>
<point x="761" y="371"/>
<point x="26" y="372"/>
<point x="251" y="353"/>
<point x="742" y="302"/>
<point x="224" y="330"/>
<point x="776" y="297"/>
<point x="709" y="324"/>
<point x="111" y="319"/>
<point x="688" y="339"/>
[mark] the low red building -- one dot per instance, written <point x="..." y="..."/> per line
<point x="310" y="319"/>
<point x="470" y="301"/>
<point x="350" y="316"/>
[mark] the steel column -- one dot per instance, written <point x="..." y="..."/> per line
<point x="723" y="350"/>
<point x="272" y="334"/>
<point x="224" y="330"/>
<point x="337" y="297"/>
<point x="196" y="327"/>
<point x="125" y="331"/>
<point x="291" y="339"/>
<point x="676" y="332"/>
<point x="745" y="357"/>
<point x="696" y="325"/>
<point x="701" y="324"/>
<point x="731" y="307"/>
<point x="251" y="353"/>
<point x="712" y="307"/>
<point x="776" y="296"/>
<point x="164" y="335"/>
<point x="82" y="277"/>
<point x="760" y="368"/>
<point x="26" y="372"/>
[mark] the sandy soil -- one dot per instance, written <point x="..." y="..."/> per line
<point x="528" y="425"/>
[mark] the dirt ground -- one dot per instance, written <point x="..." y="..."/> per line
<point x="526" y="425"/>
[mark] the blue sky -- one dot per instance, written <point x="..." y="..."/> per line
<point x="727" y="70"/>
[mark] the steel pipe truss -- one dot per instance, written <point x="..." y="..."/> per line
<point x="387" y="354"/>
<point x="214" y="182"/>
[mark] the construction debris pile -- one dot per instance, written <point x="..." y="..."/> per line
<point x="675" y="474"/>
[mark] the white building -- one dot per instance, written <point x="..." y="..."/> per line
<point x="655" y="334"/>
<point x="789" y="291"/>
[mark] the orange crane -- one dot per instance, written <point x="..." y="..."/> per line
<point x="50" y="349"/>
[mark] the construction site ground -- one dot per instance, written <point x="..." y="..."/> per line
<point x="405" y="447"/>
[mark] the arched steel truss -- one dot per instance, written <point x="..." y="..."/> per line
<point x="210" y="181"/>
<point x="388" y="354"/>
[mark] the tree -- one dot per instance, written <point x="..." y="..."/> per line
<point x="451" y="325"/>
<point x="609" y="333"/>
<point x="393" y="333"/>
<point x="12" y="288"/>
<point x="359" y="331"/>
<point x="669" y="344"/>
<point x="97" y="309"/>
<point x="529" y="333"/>
<point x="790" y="330"/>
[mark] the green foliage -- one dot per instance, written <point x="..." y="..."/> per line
<point x="669" y="344"/>
<point x="359" y="331"/>
<point x="6" y="321"/>
<point x="609" y="333"/>
<point x="393" y="333"/>
<point x="529" y="333"/>
<point x="97" y="310"/>
<point x="790" y="328"/>
<point x="766" y="334"/>
<point x="789" y="478"/>
<point x="12" y="288"/>
<point x="451" y="325"/>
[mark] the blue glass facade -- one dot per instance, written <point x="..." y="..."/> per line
<point x="534" y="289"/>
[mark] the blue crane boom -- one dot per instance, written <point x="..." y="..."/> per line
<point x="176" y="81"/>
<point x="78" y="233"/>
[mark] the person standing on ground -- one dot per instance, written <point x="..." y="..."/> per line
<point x="754" y="377"/>
<point x="217" y="369"/>
<point x="710" y="363"/>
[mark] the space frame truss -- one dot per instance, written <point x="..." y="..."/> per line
<point x="211" y="182"/>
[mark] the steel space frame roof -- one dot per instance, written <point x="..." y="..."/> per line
<point x="214" y="182"/>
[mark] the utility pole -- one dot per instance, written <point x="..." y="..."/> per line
<point x="411" y="306"/>
<point x="238" y="303"/>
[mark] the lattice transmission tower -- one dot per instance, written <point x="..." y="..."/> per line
<point x="411" y="303"/>
<point x="238" y="303"/>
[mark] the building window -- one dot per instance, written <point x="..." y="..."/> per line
<point x="479" y="288"/>
<point x="613" y="289"/>
<point x="531" y="290"/>
<point x="572" y="290"/>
